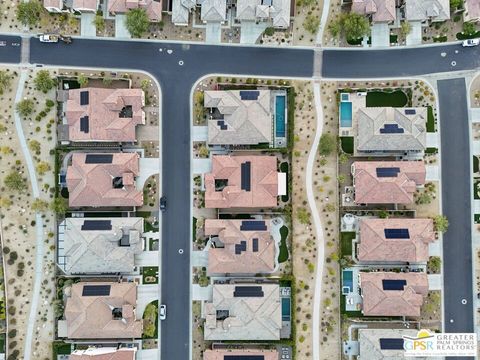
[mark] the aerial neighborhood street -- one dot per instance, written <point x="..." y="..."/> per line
<point x="258" y="181"/>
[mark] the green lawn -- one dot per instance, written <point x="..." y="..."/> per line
<point x="194" y="229"/>
<point x="148" y="273"/>
<point x="346" y="243"/>
<point x="393" y="39"/>
<point x="61" y="348"/>
<point x="150" y="317"/>
<point x="431" y="150"/>
<point x="430" y="120"/>
<point x="461" y="36"/>
<point x="347" y="144"/>
<point x="283" y="255"/>
<point x="151" y="243"/>
<point x="477" y="218"/>
<point x="381" y="99"/>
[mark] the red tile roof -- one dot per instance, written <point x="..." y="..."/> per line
<point x="399" y="189"/>
<point x="263" y="182"/>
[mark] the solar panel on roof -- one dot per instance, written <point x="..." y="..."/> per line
<point x="248" y="291"/>
<point x="410" y="112"/>
<point x="245" y="169"/>
<point x="389" y="284"/>
<point x="96" y="290"/>
<point x="391" y="343"/>
<point x="84" y="98"/>
<point x="397" y="234"/>
<point x="388" y="171"/>
<point x="253" y="225"/>
<point x="97" y="225"/>
<point x="84" y="124"/>
<point x="249" y="94"/>
<point x="99" y="159"/>
<point x="391" y="129"/>
<point x="255" y="245"/>
<point x="244" y="357"/>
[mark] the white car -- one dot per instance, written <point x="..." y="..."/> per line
<point x="470" y="42"/>
<point x="3" y="43"/>
<point x="163" y="312"/>
<point x="48" y="38"/>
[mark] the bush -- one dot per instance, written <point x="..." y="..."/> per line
<point x="311" y="23"/>
<point x="327" y="144"/>
<point x="49" y="103"/>
<point x="15" y="181"/>
<point x="25" y="107"/>
<point x="269" y="31"/>
<point x="137" y="22"/>
<point x="43" y="82"/>
<point x="28" y="13"/>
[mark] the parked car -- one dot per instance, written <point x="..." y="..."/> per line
<point x="163" y="203"/>
<point x="3" y="43"/>
<point x="163" y="312"/>
<point x="48" y="38"/>
<point x="470" y="42"/>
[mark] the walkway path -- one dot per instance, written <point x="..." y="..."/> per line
<point x="323" y="22"/>
<point x="39" y="222"/>
<point x="317" y="223"/>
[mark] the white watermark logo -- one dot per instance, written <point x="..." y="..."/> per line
<point x="427" y="343"/>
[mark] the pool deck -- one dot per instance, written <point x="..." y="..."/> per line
<point x="358" y="102"/>
<point x="353" y="300"/>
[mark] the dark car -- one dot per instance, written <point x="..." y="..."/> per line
<point x="163" y="203"/>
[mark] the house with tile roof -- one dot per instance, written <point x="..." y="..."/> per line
<point x="394" y="240"/>
<point x="276" y="11"/>
<point x="85" y="5"/>
<point x="243" y="247"/>
<point x="54" y="6"/>
<point x="181" y="10"/>
<point x="104" y="115"/>
<point x="472" y="10"/>
<point x="390" y="131"/>
<point x="237" y="118"/>
<point x="243" y="182"/>
<point x="103" y="180"/>
<point x="427" y="10"/>
<point x="393" y="294"/>
<point x="99" y="245"/>
<point x="382" y="344"/>
<point x="387" y="182"/>
<point x="246" y="354"/>
<point x="243" y="312"/>
<point x="104" y="353"/>
<point x="152" y="7"/>
<point x="101" y="310"/>
<point x="379" y="11"/>
<point x="214" y="11"/>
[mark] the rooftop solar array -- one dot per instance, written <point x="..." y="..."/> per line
<point x="397" y="234"/>
<point x="84" y="124"/>
<point x="84" y="98"/>
<point x="253" y="225"/>
<point x="97" y="225"/>
<point x="410" y="112"/>
<point x="388" y="284"/>
<point x="388" y="172"/>
<point x="96" y="290"/>
<point x="391" y="129"/>
<point x="99" y="159"/>
<point x="240" y="247"/>
<point x="222" y="125"/>
<point x="255" y="245"/>
<point x="249" y="94"/>
<point x="391" y="344"/>
<point x="243" y="357"/>
<point x="248" y="291"/>
<point x="246" y="172"/>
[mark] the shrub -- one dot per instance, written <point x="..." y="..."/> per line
<point x="15" y="181"/>
<point x="327" y="144"/>
<point x="137" y="22"/>
<point x="25" y="107"/>
<point x="28" y="13"/>
<point x="43" y="81"/>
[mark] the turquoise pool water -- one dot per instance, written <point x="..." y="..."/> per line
<point x="347" y="281"/>
<point x="285" y="309"/>
<point x="346" y="114"/>
<point x="345" y="97"/>
<point x="280" y="116"/>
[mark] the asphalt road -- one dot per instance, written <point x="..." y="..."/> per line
<point x="178" y="66"/>
<point x="10" y="53"/>
<point x="456" y="203"/>
<point x="176" y="81"/>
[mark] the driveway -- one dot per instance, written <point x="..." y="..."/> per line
<point x="200" y="133"/>
<point x="199" y="258"/>
<point x="435" y="282"/>
<point x="475" y="112"/>
<point x="120" y="27"/>
<point x="213" y="33"/>
<point x="145" y="295"/>
<point x="380" y="35"/>
<point x="147" y="258"/>
<point x="432" y="173"/>
<point x="87" y="25"/>
<point x="147" y="168"/>
<point x="415" y="35"/>
<point x="250" y="31"/>
<point x="433" y="140"/>
<point x="149" y="354"/>
<point x="202" y="166"/>
<point x="202" y="293"/>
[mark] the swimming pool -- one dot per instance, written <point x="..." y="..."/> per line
<point x="345" y="97"/>
<point x="345" y="114"/>
<point x="280" y="116"/>
<point x="347" y="282"/>
<point x="285" y="309"/>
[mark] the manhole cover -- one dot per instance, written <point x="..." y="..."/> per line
<point x="454" y="63"/>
